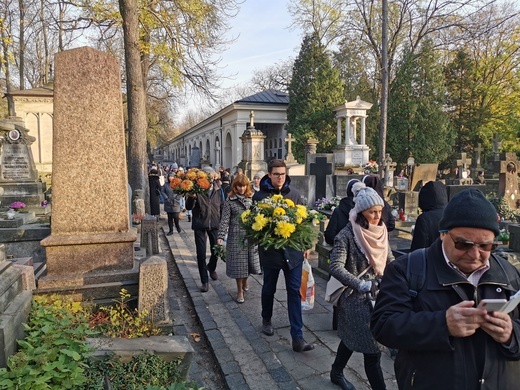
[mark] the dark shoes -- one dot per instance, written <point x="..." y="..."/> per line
<point x="337" y="377"/>
<point x="179" y="230"/>
<point x="300" y="345"/>
<point x="213" y="275"/>
<point x="204" y="287"/>
<point x="169" y="234"/>
<point x="189" y="218"/>
<point x="267" y="328"/>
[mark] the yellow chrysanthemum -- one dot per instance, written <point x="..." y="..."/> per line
<point x="289" y="202"/>
<point x="284" y="229"/>
<point x="260" y="222"/>
<point x="192" y="175"/>
<point x="277" y="198"/>
<point x="278" y="211"/>
<point x="301" y="211"/>
<point x="245" y="215"/>
<point x="299" y="220"/>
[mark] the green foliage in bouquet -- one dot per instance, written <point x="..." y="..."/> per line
<point x="276" y="222"/>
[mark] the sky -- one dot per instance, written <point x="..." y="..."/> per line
<point x="263" y="38"/>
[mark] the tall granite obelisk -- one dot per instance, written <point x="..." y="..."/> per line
<point x="90" y="250"/>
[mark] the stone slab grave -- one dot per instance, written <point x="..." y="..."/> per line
<point x="90" y="252"/>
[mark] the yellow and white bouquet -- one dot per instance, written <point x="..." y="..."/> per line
<point x="277" y="222"/>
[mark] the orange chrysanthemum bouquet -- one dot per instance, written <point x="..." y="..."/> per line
<point x="194" y="181"/>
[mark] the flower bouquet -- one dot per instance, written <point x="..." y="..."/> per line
<point x="370" y="167"/>
<point x="219" y="250"/>
<point x="194" y="181"/>
<point x="327" y="204"/>
<point x="17" y="205"/>
<point x="277" y="222"/>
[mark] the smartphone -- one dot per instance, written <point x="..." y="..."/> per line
<point x="493" y="304"/>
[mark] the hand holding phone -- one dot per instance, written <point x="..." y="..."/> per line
<point x="493" y="304"/>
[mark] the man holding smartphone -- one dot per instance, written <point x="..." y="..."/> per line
<point x="445" y="340"/>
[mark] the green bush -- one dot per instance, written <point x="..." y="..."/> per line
<point x="55" y="355"/>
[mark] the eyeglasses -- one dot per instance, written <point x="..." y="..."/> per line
<point x="465" y="246"/>
<point x="277" y="174"/>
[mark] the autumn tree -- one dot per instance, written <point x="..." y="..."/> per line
<point x="314" y="91"/>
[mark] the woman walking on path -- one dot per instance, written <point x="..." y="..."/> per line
<point x="172" y="205"/>
<point x="358" y="260"/>
<point x="241" y="259"/>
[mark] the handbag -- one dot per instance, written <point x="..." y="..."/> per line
<point x="335" y="288"/>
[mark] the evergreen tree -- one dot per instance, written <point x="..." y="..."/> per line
<point x="314" y="91"/>
<point x="417" y="122"/>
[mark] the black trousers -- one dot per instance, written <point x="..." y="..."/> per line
<point x="173" y="217"/>
<point x="200" y="244"/>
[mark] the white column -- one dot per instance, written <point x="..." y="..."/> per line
<point x="363" y="131"/>
<point x="338" y="132"/>
<point x="348" y="140"/>
<point x="354" y="130"/>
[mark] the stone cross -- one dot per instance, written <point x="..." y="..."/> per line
<point x="252" y="119"/>
<point x="478" y="151"/>
<point x="389" y="166"/>
<point x="463" y="163"/>
<point x="497" y="144"/>
<point x="508" y="180"/>
<point x="290" y="157"/>
<point x="321" y="168"/>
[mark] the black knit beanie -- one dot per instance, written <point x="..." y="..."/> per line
<point x="470" y="208"/>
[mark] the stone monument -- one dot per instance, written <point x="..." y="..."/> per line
<point x="252" y="149"/>
<point x="90" y="252"/>
<point x="18" y="174"/>
<point x="463" y="177"/>
<point x="195" y="159"/>
<point x="354" y="151"/>
<point x="508" y="180"/>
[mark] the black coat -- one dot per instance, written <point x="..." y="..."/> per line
<point x="429" y="358"/>
<point x="278" y="258"/>
<point x="206" y="209"/>
<point x="339" y="219"/>
<point x="155" y="192"/>
<point x="432" y="200"/>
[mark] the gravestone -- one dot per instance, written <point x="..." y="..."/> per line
<point x="463" y="176"/>
<point x="389" y="168"/>
<point x="18" y="174"/>
<point x="289" y="158"/>
<point x="478" y="157"/>
<point x="321" y="165"/>
<point x="252" y="149"/>
<point x="195" y="157"/>
<point x="423" y="173"/>
<point x="508" y="180"/>
<point x="90" y="252"/>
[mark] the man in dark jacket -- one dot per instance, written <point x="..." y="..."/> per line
<point x="432" y="200"/>
<point x="445" y="340"/>
<point x="287" y="259"/>
<point x="206" y="209"/>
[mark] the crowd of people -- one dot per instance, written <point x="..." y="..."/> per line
<point x="441" y="335"/>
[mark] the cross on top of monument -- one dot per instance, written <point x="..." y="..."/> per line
<point x="478" y="151"/>
<point x="463" y="162"/>
<point x="290" y="157"/>
<point x="252" y="119"/>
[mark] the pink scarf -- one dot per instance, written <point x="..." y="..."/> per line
<point x="373" y="242"/>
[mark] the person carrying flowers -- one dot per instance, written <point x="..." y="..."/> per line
<point x="276" y="185"/>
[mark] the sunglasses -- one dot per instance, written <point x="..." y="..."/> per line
<point x="465" y="246"/>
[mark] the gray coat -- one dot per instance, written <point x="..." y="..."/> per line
<point x="171" y="199"/>
<point x="347" y="261"/>
<point x="241" y="259"/>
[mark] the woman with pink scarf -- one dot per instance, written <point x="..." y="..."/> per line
<point x="358" y="260"/>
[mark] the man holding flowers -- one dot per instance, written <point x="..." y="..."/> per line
<point x="276" y="185"/>
<point x="206" y="201"/>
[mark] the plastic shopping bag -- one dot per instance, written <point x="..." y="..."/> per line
<point x="307" y="286"/>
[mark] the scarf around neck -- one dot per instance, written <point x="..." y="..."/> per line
<point x="373" y="242"/>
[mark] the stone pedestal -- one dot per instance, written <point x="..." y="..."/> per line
<point x="90" y="251"/>
<point x="409" y="203"/>
<point x="351" y="155"/>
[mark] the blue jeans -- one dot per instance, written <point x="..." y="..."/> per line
<point x="294" y="305"/>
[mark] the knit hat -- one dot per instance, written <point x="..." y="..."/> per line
<point x="175" y="166"/>
<point x="259" y="174"/>
<point x="365" y="197"/>
<point x="470" y="208"/>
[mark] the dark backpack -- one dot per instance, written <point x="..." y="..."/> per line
<point x="415" y="271"/>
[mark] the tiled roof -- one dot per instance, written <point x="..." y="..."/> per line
<point x="269" y="96"/>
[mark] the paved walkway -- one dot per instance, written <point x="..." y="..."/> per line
<point x="248" y="358"/>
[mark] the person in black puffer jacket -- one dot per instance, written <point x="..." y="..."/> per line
<point x="287" y="259"/>
<point x="339" y="218"/>
<point x="432" y="200"/>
